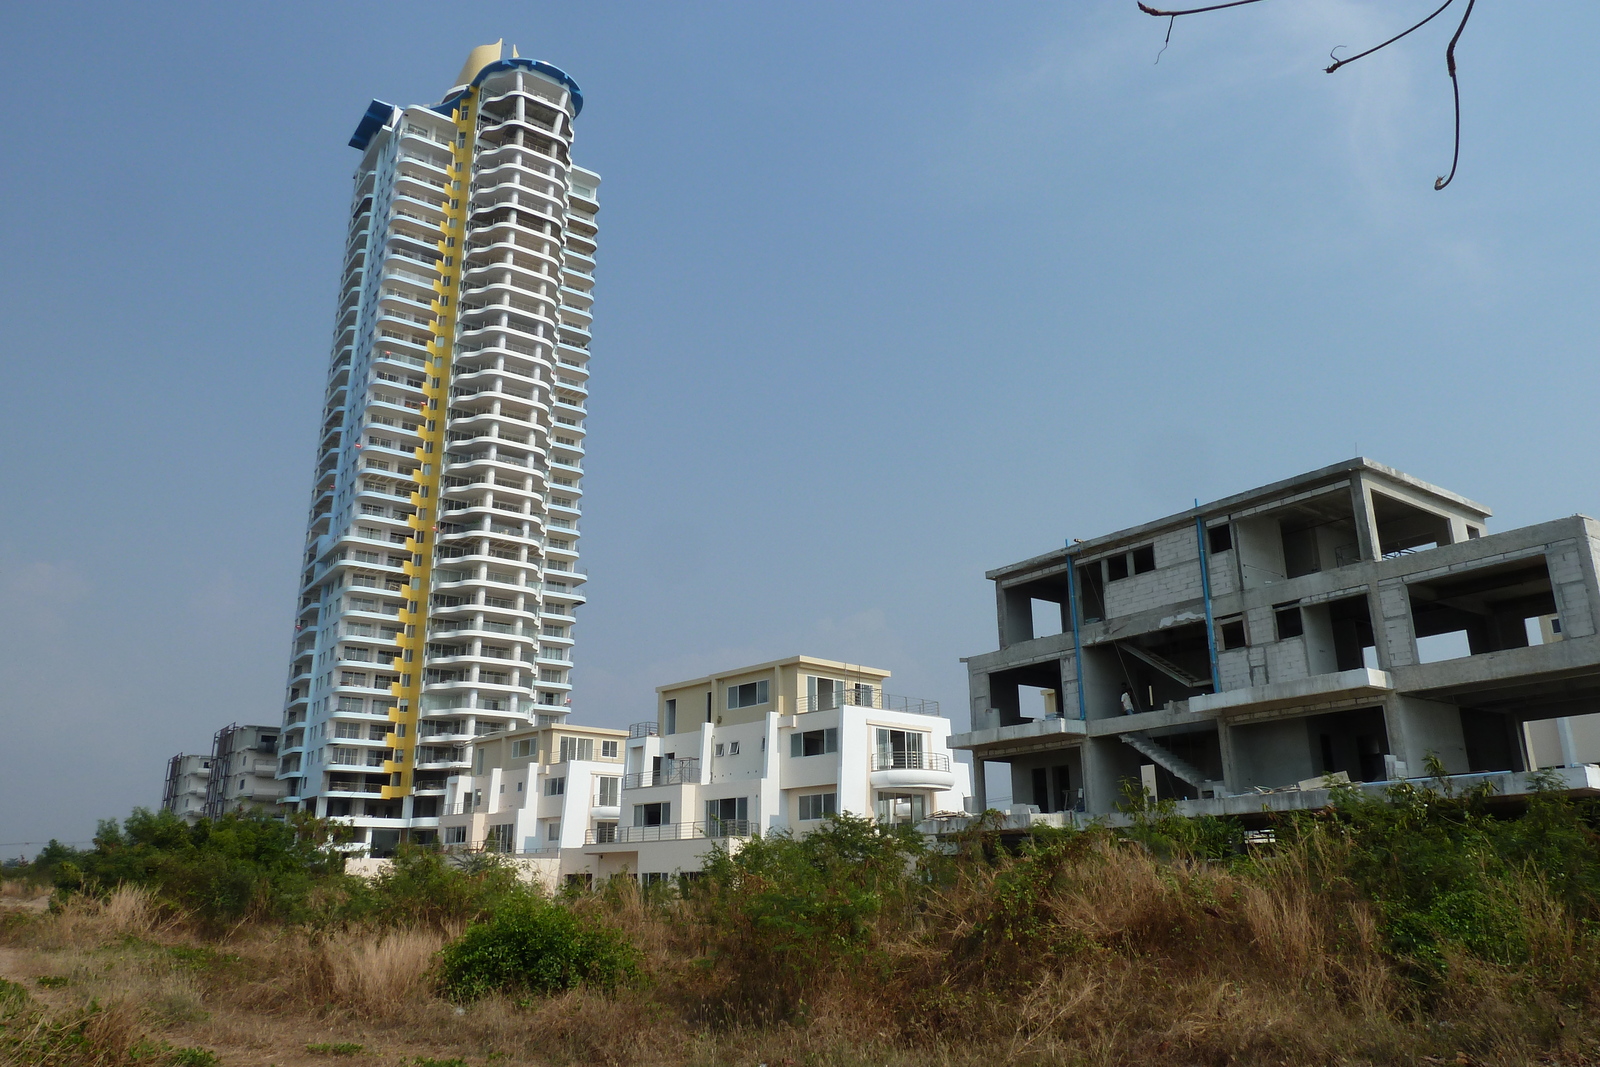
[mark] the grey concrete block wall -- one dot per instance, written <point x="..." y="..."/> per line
<point x="1176" y="546"/>
<point x="1223" y="571"/>
<point x="1154" y="589"/>
<point x="1397" y="639"/>
<point x="1286" y="660"/>
<point x="1233" y="668"/>
<point x="1260" y="625"/>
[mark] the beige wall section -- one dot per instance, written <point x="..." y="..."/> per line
<point x="546" y="748"/>
<point x="786" y="691"/>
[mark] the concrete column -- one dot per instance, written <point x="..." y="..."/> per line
<point x="1068" y="705"/>
<point x="1366" y="518"/>
<point x="1230" y="776"/>
<point x="1101" y="784"/>
<point x="1389" y="604"/>
<point x="1569" y="748"/>
<point x="978" y="691"/>
<point x="1015" y="613"/>
<point x="980" y="783"/>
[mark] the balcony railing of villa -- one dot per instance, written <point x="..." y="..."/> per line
<point x="643" y="729"/>
<point x="677" y="831"/>
<point x="674" y="772"/>
<point x="868" y="696"/>
<point x="912" y="761"/>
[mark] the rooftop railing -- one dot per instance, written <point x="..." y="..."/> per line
<point x="867" y="696"/>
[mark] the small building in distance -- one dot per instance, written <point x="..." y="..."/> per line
<point x="238" y="776"/>
<point x="1351" y="620"/>
<point x="244" y="767"/>
<point x="188" y="780"/>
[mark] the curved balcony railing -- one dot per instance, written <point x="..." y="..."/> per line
<point x="910" y="761"/>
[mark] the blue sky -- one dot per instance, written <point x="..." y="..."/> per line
<point x="889" y="295"/>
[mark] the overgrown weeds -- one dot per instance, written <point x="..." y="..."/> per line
<point x="1376" y="932"/>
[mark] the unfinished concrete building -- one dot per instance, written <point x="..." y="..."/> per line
<point x="1350" y="620"/>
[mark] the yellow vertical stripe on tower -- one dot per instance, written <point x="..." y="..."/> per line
<point x="413" y="640"/>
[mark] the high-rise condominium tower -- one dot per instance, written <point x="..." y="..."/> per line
<point x="440" y="572"/>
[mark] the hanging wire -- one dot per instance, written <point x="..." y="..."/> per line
<point x="1449" y="55"/>
<point x="1337" y="62"/>
<point x="1159" y="13"/>
<point x="1455" y="89"/>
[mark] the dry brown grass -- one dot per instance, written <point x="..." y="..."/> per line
<point x="15" y="890"/>
<point x="367" y="974"/>
<point x="1112" y="956"/>
<point x="128" y="911"/>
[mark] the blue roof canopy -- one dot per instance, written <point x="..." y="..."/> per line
<point x="377" y="117"/>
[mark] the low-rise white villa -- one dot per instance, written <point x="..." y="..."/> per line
<point x="778" y="746"/>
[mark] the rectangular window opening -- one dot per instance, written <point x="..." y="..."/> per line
<point x="748" y="695"/>
<point x="1290" y="623"/>
<point x="1231" y="633"/>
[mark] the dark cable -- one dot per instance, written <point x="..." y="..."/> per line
<point x="1148" y="10"/>
<point x="1455" y="88"/>
<point x="1337" y="63"/>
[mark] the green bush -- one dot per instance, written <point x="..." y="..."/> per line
<point x="192" y="1057"/>
<point x="1448" y="876"/>
<point x="421" y="887"/>
<point x="219" y="871"/>
<point x="534" y="946"/>
<point x="783" y="912"/>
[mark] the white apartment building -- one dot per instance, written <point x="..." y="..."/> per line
<point x="440" y="578"/>
<point x="538" y="793"/>
<point x="779" y="746"/>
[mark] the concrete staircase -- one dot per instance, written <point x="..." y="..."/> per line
<point x="1181" y="768"/>
<point x="1166" y="667"/>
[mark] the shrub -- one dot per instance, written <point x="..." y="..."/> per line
<point x="534" y="946"/>
<point x="192" y="1057"/>
<point x="782" y="913"/>
<point x="219" y="871"/>
<point x="1450" y="880"/>
<point x="422" y="888"/>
